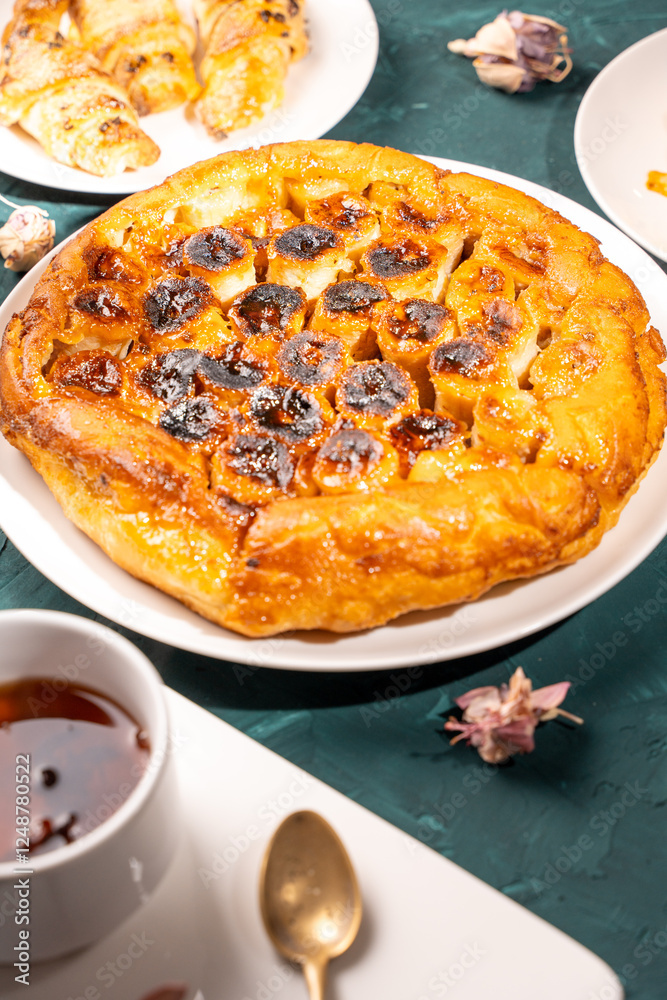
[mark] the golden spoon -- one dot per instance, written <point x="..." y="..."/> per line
<point x="309" y="896"/>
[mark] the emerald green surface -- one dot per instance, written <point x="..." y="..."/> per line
<point x="577" y="830"/>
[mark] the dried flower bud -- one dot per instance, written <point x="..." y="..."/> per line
<point x="26" y="236"/>
<point x="501" y="721"/>
<point x="517" y="50"/>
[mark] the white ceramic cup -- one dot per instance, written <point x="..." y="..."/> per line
<point x="79" y="892"/>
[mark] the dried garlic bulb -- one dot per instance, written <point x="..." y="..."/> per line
<point x="517" y="50"/>
<point x="26" y="236"/>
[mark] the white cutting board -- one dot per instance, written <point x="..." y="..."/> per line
<point x="430" y="929"/>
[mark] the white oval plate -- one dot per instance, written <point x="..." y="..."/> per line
<point x="620" y="133"/>
<point x="320" y="90"/>
<point x="35" y="523"/>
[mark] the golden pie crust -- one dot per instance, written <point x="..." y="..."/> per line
<point x="320" y="384"/>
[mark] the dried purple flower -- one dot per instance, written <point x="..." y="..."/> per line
<point x="501" y="721"/>
<point x="517" y="50"/>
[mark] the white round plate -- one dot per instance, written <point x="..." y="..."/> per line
<point x="320" y="90"/>
<point x="35" y="523"/>
<point x="621" y="133"/>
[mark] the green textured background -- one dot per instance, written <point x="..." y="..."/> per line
<point x="389" y="751"/>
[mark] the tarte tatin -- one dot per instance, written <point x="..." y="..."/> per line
<point x="320" y="384"/>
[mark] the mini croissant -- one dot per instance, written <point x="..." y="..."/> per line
<point x="60" y="94"/>
<point x="248" y="49"/>
<point x="144" y="45"/>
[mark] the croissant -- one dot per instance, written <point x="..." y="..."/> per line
<point x="248" y="49"/>
<point x="60" y="94"/>
<point x="144" y="45"/>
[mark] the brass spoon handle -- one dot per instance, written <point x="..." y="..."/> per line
<point x="315" y="974"/>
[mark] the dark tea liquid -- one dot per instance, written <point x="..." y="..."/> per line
<point x="86" y="755"/>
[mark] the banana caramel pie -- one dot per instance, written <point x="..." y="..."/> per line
<point x="319" y="385"/>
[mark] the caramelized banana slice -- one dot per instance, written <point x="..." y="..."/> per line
<point x="169" y="377"/>
<point x="287" y="413"/>
<point x="481" y="294"/>
<point x="354" y="460"/>
<point x="268" y="310"/>
<point x="444" y="227"/>
<point x="314" y="359"/>
<point x="402" y="214"/>
<point x="193" y="420"/>
<point x="476" y="284"/>
<point x="425" y="431"/>
<point x="406" y="334"/>
<point x="96" y="371"/>
<point x="376" y="394"/>
<point x="345" y="310"/>
<point x="307" y="256"/>
<point x="156" y="245"/>
<point x="112" y="264"/>
<point x="104" y="310"/>
<point x="174" y="302"/>
<point x="232" y="374"/>
<point x="223" y="259"/>
<point x="462" y="371"/>
<point x="301" y="191"/>
<point x="511" y="420"/>
<point x="259" y="227"/>
<point x="349" y="215"/>
<point x="254" y="468"/>
<point x="144" y="45"/>
<point x="59" y="93"/>
<point x="182" y="312"/>
<point x="410" y="268"/>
